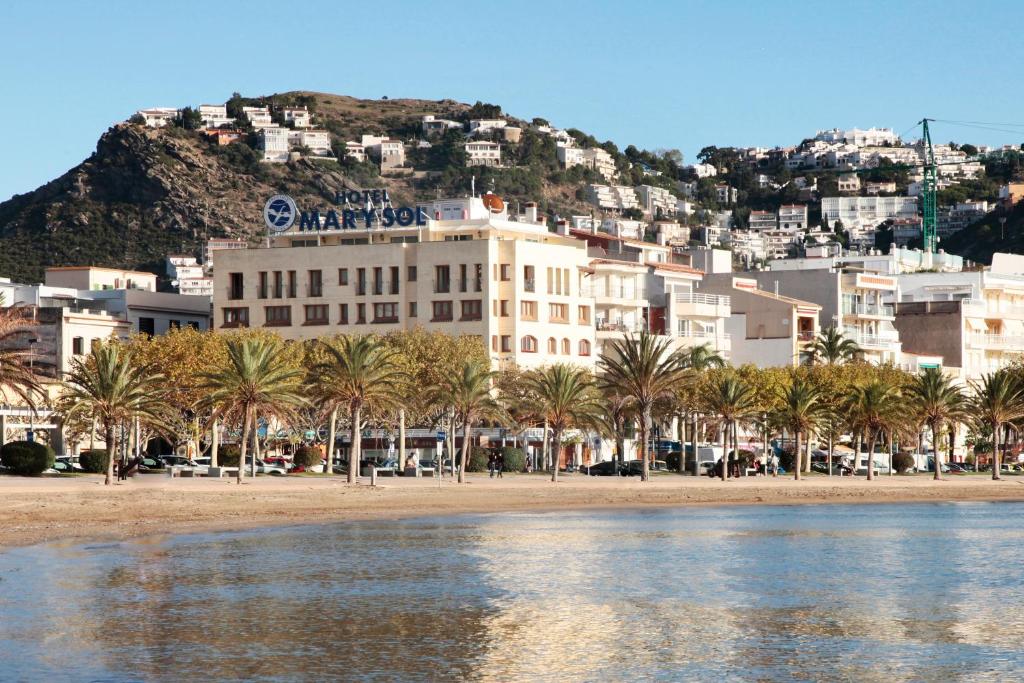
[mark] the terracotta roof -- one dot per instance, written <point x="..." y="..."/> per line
<point x="612" y="238"/>
<point x="676" y="267"/>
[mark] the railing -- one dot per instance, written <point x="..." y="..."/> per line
<point x="529" y="286"/>
<point x="704" y="334"/>
<point x="880" y="310"/>
<point x="997" y="340"/>
<point x="609" y="326"/>
<point x="872" y="340"/>
<point x="706" y="299"/>
<point x="805" y="336"/>
<point x="620" y="292"/>
<point x="236" y="293"/>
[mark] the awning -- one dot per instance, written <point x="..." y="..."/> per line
<point x="977" y="325"/>
<point x="1013" y="328"/>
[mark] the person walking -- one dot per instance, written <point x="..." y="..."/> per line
<point x="492" y="462"/>
<point x="499" y="463"/>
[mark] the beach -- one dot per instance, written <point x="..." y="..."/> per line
<point x="40" y="510"/>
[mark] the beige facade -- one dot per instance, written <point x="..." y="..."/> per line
<point x="93" y="278"/>
<point x="511" y="283"/>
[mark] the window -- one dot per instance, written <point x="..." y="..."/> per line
<point x="472" y="309"/>
<point x="412" y="309"/>
<point x="565" y="281"/>
<point x="529" y="279"/>
<point x="566" y="347"/>
<point x="552" y="345"/>
<point x="343" y="314"/>
<point x="236" y="317"/>
<point x="442" y="311"/>
<point x="506" y="272"/>
<point x="293" y="287"/>
<point x="558" y="313"/>
<point x="394" y="280"/>
<point x="410" y="274"/>
<point x="236" y="286"/>
<point x="463" y="280"/>
<point x="261" y="290"/>
<point x="478" y="277"/>
<point x="442" y="279"/>
<point x="506" y="343"/>
<point x="316" y="314"/>
<point x="528" y="310"/>
<point x="342" y="276"/>
<point x="316" y="283"/>
<point x="385" y="313"/>
<point x="173" y="324"/>
<point x="494" y="308"/>
<point x="360" y="314"/>
<point x="193" y="324"/>
<point x="584" y="315"/>
<point x="494" y="342"/>
<point x="147" y="326"/>
<point x="504" y="308"/>
<point x="378" y="280"/>
<point x="360" y="281"/>
<point x="529" y="344"/>
<point x="584" y="347"/>
<point x="278" y="316"/>
<point x="278" y="284"/>
<point x="77" y="346"/>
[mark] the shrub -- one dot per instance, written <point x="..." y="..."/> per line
<point x="515" y="459"/>
<point x="26" y="457"/>
<point x="477" y="460"/>
<point x="903" y="462"/>
<point x="307" y="456"/>
<point x="672" y="460"/>
<point x="94" y="461"/>
<point x="786" y="459"/>
<point x="227" y="456"/>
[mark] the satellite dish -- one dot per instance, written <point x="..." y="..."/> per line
<point x="493" y="202"/>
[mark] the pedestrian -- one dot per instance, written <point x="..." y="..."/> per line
<point x="499" y="463"/>
<point x="492" y="461"/>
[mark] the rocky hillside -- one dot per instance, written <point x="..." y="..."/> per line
<point x="146" y="192"/>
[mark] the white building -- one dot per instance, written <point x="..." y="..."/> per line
<point x="388" y="152"/>
<point x="612" y="197"/>
<point x="355" y="150"/>
<point x="435" y="126"/>
<point x="594" y="158"/>
<point x="215" y="115"/>
<point x="861" y="215"/>
<point x="861" y="138"/>
<point x="655" y="200"/>
<point x="259" y="117"/>
<point x="793" y="217"/>
<point x="762" y="220"/>
<point x="274" y="144"/>
<point x="478" y="126"/>
<point x="703" y="170"/>
<point x="481" y="153"/>
<point x="158" y="117"/>
<point x="726" y="194"/>
<point x="318" y="142"/>
<point x="849" y="182"/>
<point x="299" y="117"/>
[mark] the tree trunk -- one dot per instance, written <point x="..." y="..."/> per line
<point x="557" y="448"/>
<point x="214" y="443"/>
<point x="890" y="436"/>
<point x="465" y="451"/>
<point x="798" y="465"/>
<point x="332" y="429"/>
<point x="401" y="440"/>
<point x="725" y="450"/>
<point x="830" y="446"/>
<point x="255" y="447"/>
<point x="935" y="451"/>
<point x="356" y="447"/>
<point x="995" y="452"/>
<point x="645" y="432"/>
<point x="544" y="447"/>
<point x="108" y="436"/>
<point x="246" y="426"/>
<point x="620" y="448"/>
<point x="871" y="454"/>
<point x="806" y="462"/>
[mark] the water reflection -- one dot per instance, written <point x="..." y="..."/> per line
<point x="867" y="593"/>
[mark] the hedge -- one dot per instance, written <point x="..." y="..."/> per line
<point x="94" y="461"/>
<point x="306" y="456"/>
<point x="26" y="457"/>
<point x="515" y="459"/>
<point x="902" y="462"/>
<point x="478" y="458"/>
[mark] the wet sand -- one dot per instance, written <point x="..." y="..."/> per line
<point x="80" y="508"/>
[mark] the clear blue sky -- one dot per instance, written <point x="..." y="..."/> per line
<point x="653" y="74"/>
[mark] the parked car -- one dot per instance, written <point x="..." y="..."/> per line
<point x="150" y="464"/>
<point x="838" y="468"/>
<point x="66" y="464"/>
<point x="633" y="468"/>
<point x="607" y="468"/>
<point x="177" y="461"/>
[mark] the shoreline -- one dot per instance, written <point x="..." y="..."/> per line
<point x="80" y="509"/>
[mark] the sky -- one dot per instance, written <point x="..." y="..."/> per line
<point x="673" y="74"/>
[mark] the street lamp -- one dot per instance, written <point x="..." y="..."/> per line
<point x="31" y="436"/>
<point x="1002" y="227"/>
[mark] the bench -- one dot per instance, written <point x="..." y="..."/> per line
<point x="219" y="472"/>
<point x="750" y="472"/>
<point x="385" y="471"/>
<point x="427" y="472"/>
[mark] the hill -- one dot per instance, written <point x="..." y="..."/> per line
<point x="147" y="192"/>
<point x="980" y="240"/>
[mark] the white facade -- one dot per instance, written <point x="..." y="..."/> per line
<point x="861" y="138"/>
<point x="762" y="220"/>
<point x="612" y="197"/>
<point x="158" y="117"/>
<point x="215" y="115"/>
<point x="483" y="154"/>
<point x="703" y="170"/>
<point x="259" y="117"/>
<point x="432" y="125"/>
<point x="274" y="144"/>
<point x="849" y="182"/>
<point x="654" y="200"/>
<point x="478" y="126"/>
<point x="299" y="117"/>
<point x="793" y="217"/>
<point x="861" y="215"/>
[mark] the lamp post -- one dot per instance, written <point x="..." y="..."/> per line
<point x="31" y="436"/>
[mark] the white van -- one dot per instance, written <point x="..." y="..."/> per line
<point x="881" y="463"/>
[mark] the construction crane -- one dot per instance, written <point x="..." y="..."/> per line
<point x="928" y="188"/>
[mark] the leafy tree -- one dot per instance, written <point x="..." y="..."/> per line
<point x="255" y="379"/>
<point x="566" y="397"/>
<point x="189" y="119"/>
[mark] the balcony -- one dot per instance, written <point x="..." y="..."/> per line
<point x="869" y="310"/>
<point x="996" y="342"/>
<point x="618" y="327"/>
<point x="719" y="341"/>
<point x="619" y="293"/>
<point x="805" y="336"/>
<point x="703" y="305"/>
<point x="883" y="342"/>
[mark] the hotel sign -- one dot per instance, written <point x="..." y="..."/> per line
<point x="357" y="210"/>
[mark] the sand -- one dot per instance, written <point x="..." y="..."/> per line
<point x="80" y="508"/>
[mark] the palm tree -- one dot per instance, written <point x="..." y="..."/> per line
<point x="17" y="374"/>
<point x="937" y="401"/>
<point x="469" y="394"/>
<point x="800" y="408"/>
<point x="359" y="373"/>
<point x="698" y="360"/>
<point x="734" y="401"/>
<point x="614" y="415"/>
<point x="997" y="400"/>
<point x="111" y="388"/>
<point x="832" y="347"/>
<point x="871" y="408"/>
<point x="255" y="379"/>
<point x="566" y="398"/>
<point x="645" y="369"/>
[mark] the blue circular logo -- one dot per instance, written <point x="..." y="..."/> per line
<point x="279" y="213"/>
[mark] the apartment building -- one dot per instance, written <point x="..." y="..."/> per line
<point x="849" y="182"/>
<point x="188" y="276"/>
<point x="880" y="187"/>
<point x="259" y="117"/>
<point x="656" y="201"/>
<point x="616" y="227"/>
<point x="973" y="319"/>
<point x="388" y="152"/>
<point x="612" y="197"/>
<point x="478" y="126"/>
<point x="594" y="158"/>
<point x="762" y="220"/>
<point x="483" y="154"/>
<point x="703" y="170"/>
<point x="793" y="217"/>
<point x="511" y="283"/>
<point x="862" y="215"/>
<point x="897" y="260"/>
<point x="318" y="142"/>
<point x="779" y="244"/>
<point x="355" y="150"/>
<point x="158" y="117"/>
<point x="274" y="144"/>
<point x="748" y="245"/>
<point x="766" y="329"/>
<point x="951" y="219"/>
<point x="861" y="138"/>
<point x="852" y="302"/>
<point x="726" y="194"/>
